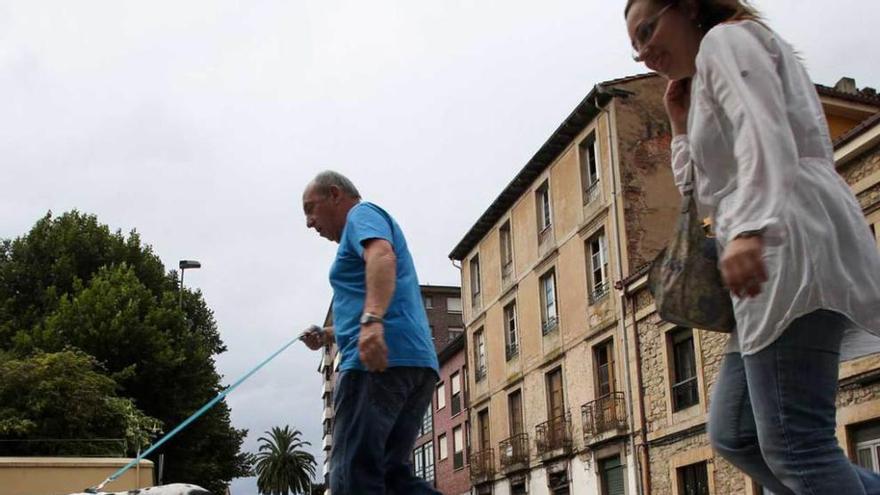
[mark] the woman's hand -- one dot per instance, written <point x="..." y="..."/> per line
<point x="677" y="101"/>
<point x="742" y="266"/>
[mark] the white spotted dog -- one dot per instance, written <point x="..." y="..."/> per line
<point x="173" y="489"/>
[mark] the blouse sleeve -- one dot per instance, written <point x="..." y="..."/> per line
<point x="681" y="160"/>
<point x="741" y="75"/>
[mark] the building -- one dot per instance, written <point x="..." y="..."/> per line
<point x="443" y="308"/>
<point x="577" y="388"/>
<point x="549" y="377"/>
<point x="451" y="426"/>
<point x="676" y="367"/>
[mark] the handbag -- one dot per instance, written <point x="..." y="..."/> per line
<point x="684" y="277"/>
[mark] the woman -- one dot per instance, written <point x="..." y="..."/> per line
<point x="796" y="252"/>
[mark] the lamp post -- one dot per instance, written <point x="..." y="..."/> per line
<point x="185" y="265"/>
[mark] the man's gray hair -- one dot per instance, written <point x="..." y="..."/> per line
<point x="328" y="178"/>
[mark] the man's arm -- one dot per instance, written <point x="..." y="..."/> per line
<point x="381" y="273"/>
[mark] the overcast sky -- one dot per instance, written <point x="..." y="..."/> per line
<point x="199" y="122"/>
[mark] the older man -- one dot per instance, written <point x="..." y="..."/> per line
<point x="388" y="366"/>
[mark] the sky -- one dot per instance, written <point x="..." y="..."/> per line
<point x="198" y="124"/>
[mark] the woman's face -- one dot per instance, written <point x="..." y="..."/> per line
<point x="665" y="37"/>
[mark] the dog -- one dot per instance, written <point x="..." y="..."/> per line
<point x="173" y="489"/>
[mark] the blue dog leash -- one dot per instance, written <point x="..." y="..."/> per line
<point x="201" y="411"/>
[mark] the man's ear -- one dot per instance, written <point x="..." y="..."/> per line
<point x="335" y="194"/>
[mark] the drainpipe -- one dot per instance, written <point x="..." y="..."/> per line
<point x="643" y="420"/>
<point x="615" y="198"/>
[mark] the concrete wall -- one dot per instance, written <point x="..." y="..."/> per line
<point x="59" y="475"/>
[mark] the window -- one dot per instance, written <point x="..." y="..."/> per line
<point x="442" y="447"/>
<point x="457" y="448"/>
<point x="479" y="355"/>
<point x="542" y="197"/>
<point x="611" y="474"/>
<point x="589" y="168"/>
<point x="604" y="359"/>
<point x="483" y="425"/>
<point x="598" y="267"/>
<point x="454" y="332"/>
<point x="429" y="302"/>
<point x="693" y="479"/>
<point x="514" y="409"/>
<point x="506" y="251"/>
<point x="555" y="400"/>
<point x="441" y="396"/>
<point x="427" y="422"/>
<point x="548" y="303"/>
<point x="867" y="444"/>
<point x="684" y="369"/>
<point x="475" y="282"/>
<point x="455" y="378"/>
<point x="511" y="341"/>
<point x="453" y="305"/>
<point x="423" y="461"/>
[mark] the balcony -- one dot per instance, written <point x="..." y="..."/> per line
<point x="511" y="351"/>
<point x="328" y="413"/>
<point x="549" y="325"/>
<point x="482" y="464"/>
<point x="514" y="453"/>
<point x="604" y="418"/>
<point x="506" y="272"/>
<point x="476" y="304"/>
<point x="592" y="192"/>
<point x="327" y="443"/>
<point x="599" y="291"/>
<point x="479" y="373"/>
<point x="553" y="438"/>
<point x="327" y="389"/>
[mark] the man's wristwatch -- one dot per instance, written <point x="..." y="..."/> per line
<point x="368" y="318"/>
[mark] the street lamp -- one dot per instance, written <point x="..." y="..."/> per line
<point x="185" y="265"/>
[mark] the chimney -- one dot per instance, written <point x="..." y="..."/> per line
<point x="869" y="92"/>
<point x="847" y="85"/>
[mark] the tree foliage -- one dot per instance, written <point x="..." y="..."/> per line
<point x="282" y="466"/>
<point x="72" y="285"/>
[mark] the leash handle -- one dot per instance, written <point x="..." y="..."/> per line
<point x="196" y="414"/>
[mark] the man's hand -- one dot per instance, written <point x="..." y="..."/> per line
<point x="742" y="266"/>
<point x="371" y="344"/>
<point x="316" y="337"/>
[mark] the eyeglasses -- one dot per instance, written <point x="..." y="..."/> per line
<point x="645" y="32"/>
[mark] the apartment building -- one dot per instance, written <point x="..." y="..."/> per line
<point x="548" y="377"/>
<point x="451" y="425"/>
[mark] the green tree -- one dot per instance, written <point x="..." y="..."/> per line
<point x="65" y="396"/>
<point x="282" y="466"/>
<point x="71" y="283"/>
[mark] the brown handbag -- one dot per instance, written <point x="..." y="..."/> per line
<point x="684" y="277"/>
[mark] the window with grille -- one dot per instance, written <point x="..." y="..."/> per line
<point x="427" y="422"/>
<point x="423" y="461"/>
<point x="589" y="168"/>
<point x="506" y="245"/>
<point x="604" y="359"/>
<point x="599" y="286"/>
<point x="476" y="285"/>
<point x="612" y="475"/>
<point x="555" y="399"/>
<point x="693" y="479"/>
<point x="479" y="355"/>
<point x="514" y="409"/>
<point x="511" y="339"/>
<point x="684" y="369"/>
<point x="549" y="318"/>
<point x="483" y="425"/>
<point x="542" y="196"/>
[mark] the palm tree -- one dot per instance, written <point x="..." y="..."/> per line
<point x="283" y="467"/>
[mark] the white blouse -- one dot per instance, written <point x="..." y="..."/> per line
<point x="763" y="159"/>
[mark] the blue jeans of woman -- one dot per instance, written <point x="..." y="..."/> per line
<point x="773" y="413"/>
<point x="376" y="423"/>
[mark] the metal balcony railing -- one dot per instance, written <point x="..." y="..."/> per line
<point x="549" y="325"/>
<point x="592" y="192"/>
<point x="507" y="271"/>
<point x="511" y="351"/>
<point x="553" y="434"/>
<point x="603" y="415"/>
<point x="482" y="465"/>
<point x="599" y="291"/>
<point x="514" y="451"/>
<point x="479" y="373"/>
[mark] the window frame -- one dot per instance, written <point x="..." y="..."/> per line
<point x="549" y="322"/>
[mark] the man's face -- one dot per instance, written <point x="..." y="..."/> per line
<point x="321" y="210"/>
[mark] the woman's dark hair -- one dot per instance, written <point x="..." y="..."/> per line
<point x="710" y="13"/>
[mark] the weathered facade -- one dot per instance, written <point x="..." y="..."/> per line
<point x="579" y="388"/>
<point x="443" y="308"/>
<point x="676" y="367"/>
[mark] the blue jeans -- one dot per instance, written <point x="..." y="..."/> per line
<point x="773" y="413"/>
<point x="377" y="421"/>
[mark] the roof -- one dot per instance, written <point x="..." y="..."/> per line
<point x="451" y="349"/>
<point x="857" y="130"/>
<point x="579" y="118"/>
<point x="843" y="95"/>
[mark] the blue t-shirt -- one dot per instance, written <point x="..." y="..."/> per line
<point x="407" y="333"/>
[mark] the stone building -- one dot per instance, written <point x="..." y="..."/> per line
<point x="675" y="368"/>
<point x="443" y="308"/>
